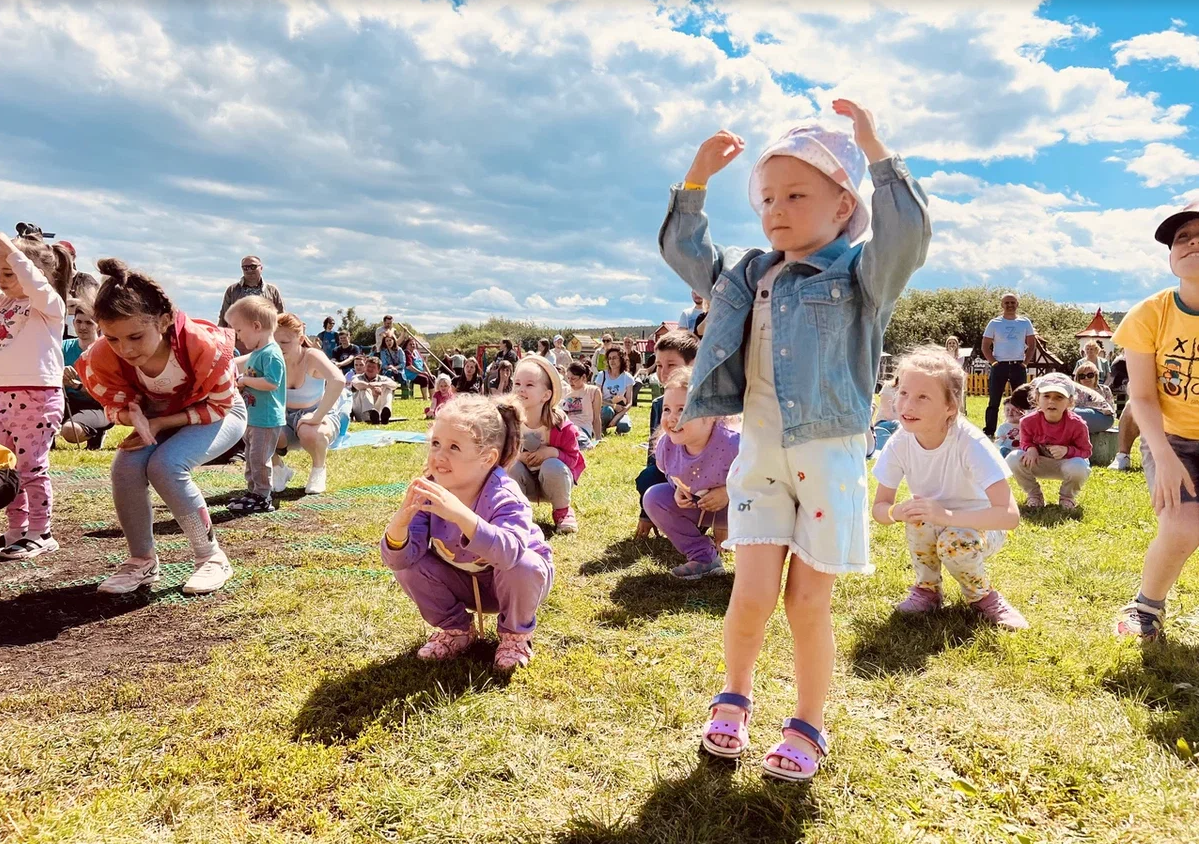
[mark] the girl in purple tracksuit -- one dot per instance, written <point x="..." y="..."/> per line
<point x="695" y="458"/>
<point x="464" y="535"/>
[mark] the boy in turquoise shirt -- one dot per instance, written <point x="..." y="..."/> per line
<point x="264" y="385"/>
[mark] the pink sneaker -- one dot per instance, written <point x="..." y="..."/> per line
<point x="920" y="600"/>
<point x="1035" y="501"/>
<point x="995" y="609"/>
<point x="565" y="521"/>
<point x="447" y="644"/>
<point x="515" y="651"/>
<point x="1068" y="504"/>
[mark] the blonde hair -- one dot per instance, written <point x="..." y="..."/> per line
<point x="491" y="423"/>
<point x="937" y="363"/>
<point x="255" y="309"/>
<point x="442" y="380"/>
<point x="552" y="415"/>
<point x="680" y="379"/>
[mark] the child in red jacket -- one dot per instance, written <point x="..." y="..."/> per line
<point x="1054" y="443"/>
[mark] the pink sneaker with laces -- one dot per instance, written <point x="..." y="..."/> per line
<point x="920" y="600"/>
<point x="995" y="609"/>
<point x="515" y="651"/>
<point x="565" y="521"/>
<point x="447" y="644"/>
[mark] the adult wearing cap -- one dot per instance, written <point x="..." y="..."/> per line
<point x="1054" y="443"/>
<point x="559" y="354"/>
<point x="251" y="284"/>
<point x="1160" y="336"/>
<point x="1009" y="343"/>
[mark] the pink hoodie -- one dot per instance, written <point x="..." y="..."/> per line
<point x="31" y="329"/>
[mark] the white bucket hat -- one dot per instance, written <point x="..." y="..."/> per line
<point x="832" y="153"/>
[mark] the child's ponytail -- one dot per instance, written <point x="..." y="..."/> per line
<point x="55" y="262"/>
<point x="512" y="416"/>
<point x="128" y="294"/>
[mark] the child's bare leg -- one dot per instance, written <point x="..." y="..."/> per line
<point x="1176" y="540"/>
<point x="756" y="586"/>
<point x="808" y="600"/>
<point x="1128" y="431"/>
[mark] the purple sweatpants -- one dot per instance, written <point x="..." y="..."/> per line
<point x="682" y="525"/>
<point x="443" y="593"/>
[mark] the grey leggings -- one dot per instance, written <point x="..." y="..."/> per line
<point x="551" y="482"/>
<point x="167" y="467"/>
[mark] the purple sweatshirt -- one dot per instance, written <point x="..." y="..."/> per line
<point x="505" y="532"/>
<point x="697" y="473"/>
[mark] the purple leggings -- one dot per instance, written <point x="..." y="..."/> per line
<point x="443" y="593"/>
<point x="682" y="525"/>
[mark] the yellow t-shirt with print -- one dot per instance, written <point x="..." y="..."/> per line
<point x="1165" y="328"/>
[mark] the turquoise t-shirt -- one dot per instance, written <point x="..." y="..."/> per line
<point x="267" y="408"/>
<point x="72" y="352"/>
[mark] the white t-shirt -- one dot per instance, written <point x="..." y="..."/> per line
<point x="956" y="473"/>
<point x="166" y="382"/>
<point x="1009" y="336"/>
<point x="613" y="387"/>
<point x="560" y="357"/>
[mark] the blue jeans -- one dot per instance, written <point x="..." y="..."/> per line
<point x="167" y="466"/>
<point x="1096" y="420"/>
<point x="883" y="429"/>
<point x="607" y="412"/>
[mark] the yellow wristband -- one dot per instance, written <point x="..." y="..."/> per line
<point x="392" y="543"/>
<point x="891" y="513"/>
<point x="694" y="186"/>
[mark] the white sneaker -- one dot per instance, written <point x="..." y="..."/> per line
<point x="209" y="576"/>
<point x="28" y="547"/>
<point x="132" y="575"/>
<point x="316" y="481"/>
<point x="1121" y="463"/>
<point x="280" y="474"/>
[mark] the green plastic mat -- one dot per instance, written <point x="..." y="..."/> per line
<point x="381" y="490"/>
<point x="332" y="544"/>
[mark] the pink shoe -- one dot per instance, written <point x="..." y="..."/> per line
<point x="995" y="609"/>
<point x="515" y="651"/>
<point x="565" y="521"/>
<point x="1067" y="503"/>
<point x="1035" y="501"/>
<point x="920" y="600"/>
<point x="447" y="644"/>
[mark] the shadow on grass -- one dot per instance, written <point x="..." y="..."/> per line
<point x="708" y="804"/>
<point x="902" y="644"/>
<point x="1167" y="684"/>
<point x="340" y="708"/>
<point x="1051" y="515"/>
<point x="650" y="595"/>
<point x="41" y="616"/>
<point x="625" y="552"/>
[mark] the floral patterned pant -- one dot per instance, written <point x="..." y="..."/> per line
<point x="961" y="550"/>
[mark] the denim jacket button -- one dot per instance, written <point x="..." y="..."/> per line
<point x="720" y="353"/>
<point x="790" y="404"/>
<point x="783" y="352"/>
<point x="783" y="308"/>
<point x="836" y="292"/>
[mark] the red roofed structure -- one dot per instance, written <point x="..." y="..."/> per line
<point x="1098" y="330"/>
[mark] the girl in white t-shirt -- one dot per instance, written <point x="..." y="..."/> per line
<point x="961" y="504"/>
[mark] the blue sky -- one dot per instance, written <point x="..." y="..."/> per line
<point x="447" y="162"/>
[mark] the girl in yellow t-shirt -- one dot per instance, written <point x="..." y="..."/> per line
<point x="1161" y="340"/>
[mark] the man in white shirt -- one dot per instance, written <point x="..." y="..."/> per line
<point x="388" y="325"/>
<point x="690" y="317"/>
<point x="1009" y="343"/>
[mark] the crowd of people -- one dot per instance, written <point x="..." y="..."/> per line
<point x="748" y="452"/>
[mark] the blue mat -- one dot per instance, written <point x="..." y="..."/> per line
<point x="353" y="439"/>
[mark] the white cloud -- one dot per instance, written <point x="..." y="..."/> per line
<point x="577" y="301"/>
<point x="310" y="250"/>
<point x="1162" y="164"/>
<point x="213" y="187"/>
<point x="1180" y="48"/>
<point x="537" y="303"/>
<point x="493" y="297"/>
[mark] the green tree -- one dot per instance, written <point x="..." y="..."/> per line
<point x="361" y="333"/>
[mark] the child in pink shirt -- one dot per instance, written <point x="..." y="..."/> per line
<point x="1054" y="443"/>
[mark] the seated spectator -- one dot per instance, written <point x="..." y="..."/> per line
<point x="543" y="349"/>
<point x="1091" y="356"/>
<point x="328" y="338"/>
<point x="1007" y="435"/>
<point x="470" y="380"/>
<point x="600" y="357"/>
<point x="86" y="420"/>
<point x="388" y="327"/>
<point x="359" y="368"/>
<point x="886" y="420"/>
<point x="372" y="393"/>
<point x="502" y="382"/>
<point x="583" y="405"/>
<point x="1092" y="400"/>
<point x="345" y="352"/>
<point x="1054" y="443"/>
<point x="415" y="371"/>
<point x="617" y="385"/>
<point x="392" y="359"/>
<point x="675" y="350"/>
<point x="443" y="391"/>
<point x="508" y="351"/>
<point x="559" y="354"/>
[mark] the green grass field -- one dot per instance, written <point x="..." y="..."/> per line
<point x="291" y="707"/>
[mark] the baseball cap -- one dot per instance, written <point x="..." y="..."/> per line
<point x="1170" y="226"/>
<point x="558" y="337"/>
<point x="832" y="153"/>
<point x="1055" y="382"/>
<point x="66" y="244"/>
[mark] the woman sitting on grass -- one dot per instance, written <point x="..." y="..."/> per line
<point x="616" y="385"/>
<point x="583" y="405"/>
<point x="470" y="381"/>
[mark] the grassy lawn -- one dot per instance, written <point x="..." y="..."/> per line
<point x="291" y="707"/>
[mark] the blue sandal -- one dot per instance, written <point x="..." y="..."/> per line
<point x="808" y="765"/>
<point x="732" y="729"/>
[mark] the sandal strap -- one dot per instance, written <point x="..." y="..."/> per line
<point x="803" y="728"/>
<point x="1137" y="606"/>
<point x="732" y="699"/>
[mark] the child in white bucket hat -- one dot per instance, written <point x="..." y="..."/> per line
<point x="793" y="340"/>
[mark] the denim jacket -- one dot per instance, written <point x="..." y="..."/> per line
<point x="828" y="311"/>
